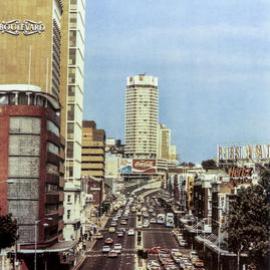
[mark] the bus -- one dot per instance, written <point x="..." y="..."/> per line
<point x="161" y="218"/>
<point x="169" y="220"/>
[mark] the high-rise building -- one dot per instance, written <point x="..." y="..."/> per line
<point x="33" y="50"/>
<point x="74" y="201"/>
<point x="141" y="117"/>
<point x="75" y="85"/>
<point x="93" y="151"/>
<point x="164" y="142"/>
<point x="31" y="43"/>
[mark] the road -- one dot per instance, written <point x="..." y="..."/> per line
<point x="154" y="235"/>
<point x="97" y="260"/>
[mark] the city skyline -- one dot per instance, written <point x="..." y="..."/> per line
<point x="211" y="60"/>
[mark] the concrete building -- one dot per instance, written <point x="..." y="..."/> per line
<point x="32" y="155"/>
<point x="93" y="151"/>
<point x="74" y="67"/>
<point x="33" y="53"/>
<point x="141" y="117"/>
<point x="163" y="142"/>
<point x="76" y="44"/>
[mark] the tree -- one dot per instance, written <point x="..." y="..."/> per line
<point x="8" y="231"/>
<point x="187" y="164"/>
<point x="209" y="164"/>
<point x="248" y="225"/>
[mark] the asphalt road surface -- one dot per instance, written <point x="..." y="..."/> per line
<point x="153" y="236"/>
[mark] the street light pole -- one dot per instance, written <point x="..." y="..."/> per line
<point x="35" y="259"/>
<point x="36" y="223"/>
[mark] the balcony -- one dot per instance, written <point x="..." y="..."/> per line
<point x="52" y="158"/>
<point x="52" y="179"/>
<point x="52" y="198"/>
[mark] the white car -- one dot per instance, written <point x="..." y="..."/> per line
<point x="117" y="247"/>
<point x="106" y="249"/>
<point x="131" y="232"/>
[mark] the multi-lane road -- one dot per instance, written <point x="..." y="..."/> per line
<point x="153" y="236"/>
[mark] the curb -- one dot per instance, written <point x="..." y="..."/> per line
<point x="92" y="244"/>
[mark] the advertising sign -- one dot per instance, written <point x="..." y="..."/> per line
<point x="144" y="165"/>
<point x="26" y="27"/>
<point x="240" y="175"/>
<point x="126" y="166"/>
<point x="258" y="152"/>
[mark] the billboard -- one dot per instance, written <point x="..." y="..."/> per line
<point x="144" y="165"/>
<point x="133" y="166"/>
<point x="126" y="166"/>
<point x="240" y="175"/>
<point x="257" y="153"/>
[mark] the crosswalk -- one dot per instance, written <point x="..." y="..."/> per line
<point x="124" y="251"/>
<point x="105" y="255"/>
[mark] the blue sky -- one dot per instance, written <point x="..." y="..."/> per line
<point x="211" y="57"/>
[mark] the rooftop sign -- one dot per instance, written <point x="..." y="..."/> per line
<point x="26" y="27"/>
<point x="256" y="153"/>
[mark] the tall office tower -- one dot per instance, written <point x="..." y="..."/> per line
<point x="75" y="84"/>
<point x="93" y="151"/>
<point x="141" y="117"/>
<point x="31" y="139"/>
<point x="163" y="142"/>
<point x="74" y="67"/>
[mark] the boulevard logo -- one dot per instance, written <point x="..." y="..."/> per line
<point x="26" y="27"/>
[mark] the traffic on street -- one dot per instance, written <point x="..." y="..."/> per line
<point x="140" y="234"/>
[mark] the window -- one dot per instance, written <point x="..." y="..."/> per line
<point x="72" y="56"/>
<point x="52" y="148"/>
<point x="69" y="198"/>
<point x="3" y="99"/>
<point x="72" y="38"/>
<point x="52" y="127"/>
<point x="70" y="131"/>
<point x="71" y="90"/>
<point x="72" y="75"/>
<point x="68" y="214"/>
<point x="71" y="112"/>
<point x="70" y="149"/>
<point x="73" y="20"/>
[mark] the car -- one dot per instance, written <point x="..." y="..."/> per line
<point x="118" y="251"/>
<point x="108" y="241"/>
<point x="117" y="246"/>
<point x="153" y="220"/>
<point x="123" y="222"/>
<point x="98" y="235"/>
<point x="145" y="214"/>
<point x="106" y="249"/>
<point x="112" y="254"/>
<point x="193" y="254"/>
<point x="183" y="243"/>
<point x="146" y="224"/>
<point x="111" y="229"/>
<point x="120" y="234"/>
<point x="113" y="224"/>
<point x="131" y="232"/>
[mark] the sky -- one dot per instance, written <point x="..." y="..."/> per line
<point x="212" y="58"/>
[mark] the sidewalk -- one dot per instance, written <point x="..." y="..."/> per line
<point x="90" y="244"/>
